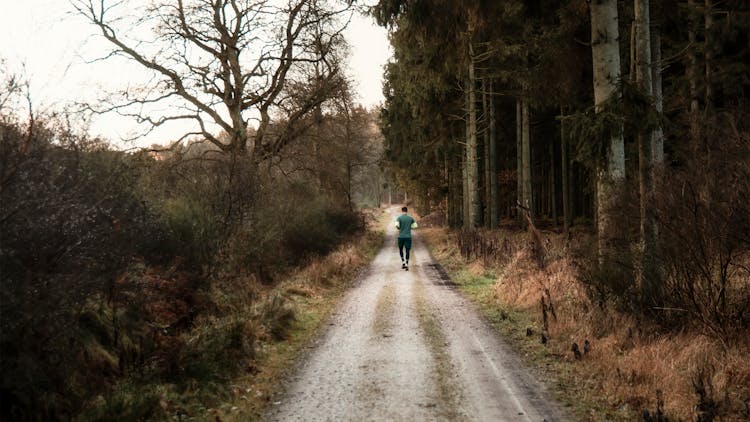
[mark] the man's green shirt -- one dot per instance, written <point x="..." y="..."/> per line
<point x="404" y="226"/>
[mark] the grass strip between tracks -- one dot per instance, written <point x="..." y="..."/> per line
<point x="449" y="394"/>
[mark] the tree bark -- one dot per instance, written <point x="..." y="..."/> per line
<point x="552" y="187"/>
<point x="605" y="51"/>
<point x="709" y="23"/>
<point x="494" y="215"/>
<point x="465" y="197"/>
<point x="567" y="218"/>
<point x="632" y="72"/>
<point x="475" y="204"/>
<point x="457" y="178"/>
<point x="658" y="144"/>
<point x="465" y="194"/>
<point x="486" y="146"/>
<point x="648" y="277"/>
<point x="528" y="197"/>
<point x="519" y="159"/>
<point x="692" y="74"/>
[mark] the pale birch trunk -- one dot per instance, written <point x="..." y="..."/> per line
<point x="605" y="51"/>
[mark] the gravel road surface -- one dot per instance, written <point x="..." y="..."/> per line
<point x="404" y="345"/>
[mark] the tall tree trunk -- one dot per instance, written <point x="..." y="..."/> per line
<point x="552" y="187"/>
<point x="567" y="218"/>
<point x="349" y="164"/>
<point x="649" y="275"/>
<point x="519" y="159"/>
<point x="455" y="176"/>
<point x="632" y="72"/>
<point x="605" y="51"/>
<point x="658" y="144"/>
<point x="466" y="194"/>
<point x="528" y="197"/>
<point x="449" y="194"/>
<point x="709" y="23"/>
<point x="472" y="159"/>
<point x="465" y="197"/>
<point x="486" y="144"/>
<point x="692" y="73"/>
<point x="492" y="201"/>
<point x="458" y="184"/>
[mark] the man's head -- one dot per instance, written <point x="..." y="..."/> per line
<point x="403" y="209"/>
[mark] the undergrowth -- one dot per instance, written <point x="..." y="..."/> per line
<point x="602" y="363"/>
<point x="228" y="365"/>
<point x="308" y="296"/>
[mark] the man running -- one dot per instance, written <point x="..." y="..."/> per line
<point x="404" y="224"/>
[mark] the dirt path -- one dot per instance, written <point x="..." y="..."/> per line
<point x="406" y="346"/>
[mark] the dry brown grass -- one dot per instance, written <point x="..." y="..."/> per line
<point x="629" y="360"/>
<point x="312" y="293"/>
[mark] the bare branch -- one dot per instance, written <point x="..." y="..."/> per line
<point x="229" y="60"/>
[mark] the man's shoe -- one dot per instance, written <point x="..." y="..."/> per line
<point x="403" y="265"/>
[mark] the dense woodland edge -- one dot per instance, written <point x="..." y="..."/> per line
<point x="616" y="134"/>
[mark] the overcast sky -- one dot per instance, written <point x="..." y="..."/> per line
<point x="50" y="46"/>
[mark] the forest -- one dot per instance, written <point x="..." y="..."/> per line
<point x="616" y="133"/>
<point x="603" y="115"/>
<point x="581" y="168"/>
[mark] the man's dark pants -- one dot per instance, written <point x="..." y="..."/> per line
<point x="404" y="242"/>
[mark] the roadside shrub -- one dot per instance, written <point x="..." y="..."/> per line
<point x="309" y="231"/>
<point x="293" y="224"/>
<point x="214" y="349"/>
<point x="317" y="229"/>
<point x="192" y="232"/>
<point x="704" y="214"/>
<point x="71" y="220"/>
<point x="128" y="402"/>
<point x="203" y="198"/>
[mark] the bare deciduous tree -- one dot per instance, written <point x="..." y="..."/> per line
<point x="223" y="63"/>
